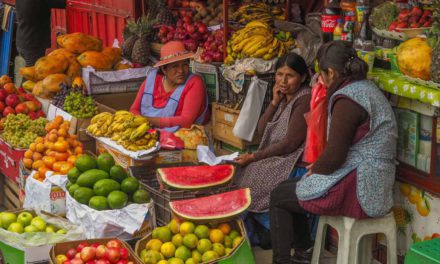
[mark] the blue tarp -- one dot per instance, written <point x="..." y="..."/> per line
<point x="6" y="45"/>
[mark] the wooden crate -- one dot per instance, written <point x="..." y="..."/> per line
<point x="223" y="121"/>
<point x="10" y="194"/>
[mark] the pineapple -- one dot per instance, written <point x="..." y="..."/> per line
<point x="158" y="9"/>
<point x="141" y="48"/>
<point x="434" y="41"/>
<point x="130" y="38"/>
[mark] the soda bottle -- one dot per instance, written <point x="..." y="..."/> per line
<point x="337" y="33"/>
<point x="329" y="19"/>
<point x="348" y="29"/>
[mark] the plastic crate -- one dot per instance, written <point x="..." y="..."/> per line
<point x="161" y="197"/>
<point x="426" y="252"/>
<point x="228" y="97"/>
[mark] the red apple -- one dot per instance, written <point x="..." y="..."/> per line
<point x="8" y="110"/>
<point x="114" y="243"/>
<point x="100" y="251"/>
<point x="403" y="16"/>
<point x="21" y="90"/>
<point x="31" y="106"/>
<point x="91" y="262"/>
<point x="21" y="108"/>
<point x="95" y="245"/>
<point x="122" y="261"/>
<point x="124" y="253"/>
<point x="112" y="254"/>
<point x="40" y="113"/>
<point x="12" y="100"/>
<point x="402" y="25"/>
<point x="88" y="253"/>
<point x="67" y="262"/>
<point x="413" y="19"/>
<point x="71" y="253"/>
<point x="187" y="19"/>
<point x="37" y="103"/>
<point x="416" y="11"/>
<point x="2" y="107"/>
<point x="427" y="24"/>
<point x="29" y="97"/>
<point x="427" y="13"/>
<point x="202" y="28"/>
<point x="102" y="261"/>
<point x="78" y="255"/>
<point x="3" y="94"/>
<point x="33" y="115"/>
<point x="414" y="25"/>
<point x="76" y="261"/>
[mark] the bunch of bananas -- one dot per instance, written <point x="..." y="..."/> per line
<point x="257" y="40"/>
<point x="128" y="130"/>
<point x="257" y="11"/>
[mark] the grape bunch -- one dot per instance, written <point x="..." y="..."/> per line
<point x="79" y="105"/>
<point x="20" y="131"/>
<point x="58" y="99"/>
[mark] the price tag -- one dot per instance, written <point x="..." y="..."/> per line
<point x="216" y="27"/>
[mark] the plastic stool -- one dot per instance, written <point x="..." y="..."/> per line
<point x="355" y="240"/>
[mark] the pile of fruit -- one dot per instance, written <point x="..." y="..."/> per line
<point x="257" y="40"/>
<point x="211" y="14"/>
<point x="112" y="252"/>
<point x="130" y="131"/>
<point x="63" y="65"/>
<point x="213" y="47"/>
<point x="16" y="101"/>
<point x="257" y="11"/>
<point x="20" y="131"/>
<point x="192" y="34"/>
<point x="412" y="18"/>
<point x="25" y="222"/>
<point x="57" y="151"/>
<point x="79" y="105"/>
<point x="187" y="243"/>
<point x="102" y="185"/>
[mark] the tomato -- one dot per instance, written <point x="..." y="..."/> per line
<point x="435" y="235"/>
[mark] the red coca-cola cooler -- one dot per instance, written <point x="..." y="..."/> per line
<point x="104" y="19"/>
<point x="9" y="2"/>
<point x="58" y="25"/>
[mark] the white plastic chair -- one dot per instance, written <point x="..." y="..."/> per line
<point x="355" y="238"/>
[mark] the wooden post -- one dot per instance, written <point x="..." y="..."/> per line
<point x="225" y="27"/>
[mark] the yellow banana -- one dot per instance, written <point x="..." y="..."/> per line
<point x="139" y="132"/>
<point x="260" y="44"/>
<point x="260" y="53"/>
<point x="257" y="23"/>
<point x="99" y="116"/>
<point x="253" y="42"/>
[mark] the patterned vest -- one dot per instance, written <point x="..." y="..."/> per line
<point x="373" y="157"/>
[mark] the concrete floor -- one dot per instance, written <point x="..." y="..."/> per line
<point x="265" y="257"/>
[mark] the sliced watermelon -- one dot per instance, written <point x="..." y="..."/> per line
<point x="214" y="207"/>
<point x="196" y="177"/>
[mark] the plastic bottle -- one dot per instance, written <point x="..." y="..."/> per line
<point x="329" y="19"/>
<point x="337" y="33"/>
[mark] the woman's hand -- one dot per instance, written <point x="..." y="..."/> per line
<point x="277" y="95"/>
<point x="244" y="159"/>
<point x="309" y="170"/>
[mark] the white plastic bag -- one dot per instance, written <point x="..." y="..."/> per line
<point x="250" y="112"/>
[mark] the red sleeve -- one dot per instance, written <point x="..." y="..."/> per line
<point x="193" y="103"/>
<point x="136" y="106"/>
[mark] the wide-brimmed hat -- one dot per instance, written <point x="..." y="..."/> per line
<point x="173" y="51"/>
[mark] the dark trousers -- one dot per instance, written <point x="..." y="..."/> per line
<point x="31" y="56"/>
<point x="288" y="222"/>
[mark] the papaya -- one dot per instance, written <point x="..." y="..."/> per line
<point x="28" y="85"/>
<point x="38" y="89"/>
<point x="114" y="54"/>
<point x="121" y="66"/>
<point x="78" y="83"/>
<point x="48" y="65"/>
<point x="28" y="73"/>
<point x="52" y="82"/>
<point x="60" y="39"/>
<point x="105" y="186"/>
<point x="90" y="177"/>
<point x="79" y="43"/>
<point x="74" y="69"/>
<point x="83" y="195"/>
<point x="96" y="60"/>
<point x="69" y="55"/>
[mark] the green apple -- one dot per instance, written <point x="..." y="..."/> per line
<point x="16" y="228"/>
<point x="51" y="229"/>
<point x="30" y="229"/>
<point x="62" y="231"/>
<point x="25" y="218"/>
<point x="39" y="223"/>
<point x="7" y="219"/>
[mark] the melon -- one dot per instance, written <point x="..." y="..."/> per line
<point x="196" y="177"/>
<point x="414" y="58"/>
<point x="215" y="207"/>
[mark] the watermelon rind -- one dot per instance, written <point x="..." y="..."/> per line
<point x="197" y="207"/>
<point x="184" y="184"/>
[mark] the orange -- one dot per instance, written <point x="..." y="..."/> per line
<point x="28" y="154"/>
<point x="73" y="136"/>
<point x="37" y="164"/>
<point x="72" y="159"/>
<point x="66" y="167"/>
<point x="225" y="228"/>
<point x="62" y="132"/>
<point x="61" y="139"/>
<point x="49" y="161"/>
<point x="52" y="137"/>
<point x="40" y="147"/>
<point x="61" y="146"/>
<point x="32" y="147"/>
<point x="54" y="131"/>
<point x="42" y="171"/>
<point x="58" y="120"/>
<point x="37" y="156"/>
<point x="27" y="163"/>
<point x="61" y="156"/>
<point x="39" y="140"/>
<point x="36" y="176"/>
<point x="78" y="150"/>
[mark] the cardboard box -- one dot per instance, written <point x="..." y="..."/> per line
<point x="119" y="101"/>
<point x="11" y="194"/>
<point x="10" y="160"/>
<point x="240" y="254"/>
<point x="120" y="158"/>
